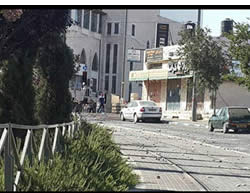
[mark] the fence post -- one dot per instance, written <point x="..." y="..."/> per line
<point x="30" y="147"/>
<point x="8" y="163"/>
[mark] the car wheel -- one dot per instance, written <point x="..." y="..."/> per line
<point x="135" y="118"/>
<point x="122" y="117"/>
<point x="225" y="128"/>
<point x="210" y="127"/>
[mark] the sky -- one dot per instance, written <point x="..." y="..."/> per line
<point x="210" y="18"/>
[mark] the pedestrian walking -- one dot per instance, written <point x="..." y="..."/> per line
<point x="101" y="103"/>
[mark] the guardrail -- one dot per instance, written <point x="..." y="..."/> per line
<point x="51" y="142"/>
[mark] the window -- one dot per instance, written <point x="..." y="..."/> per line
<point x="116" y="28"/>
<point x="131" y="66"/>
<point x="73" y="14"/>
<point x="79" y="17"/>
<point x="94" y="85"/>
<point x="133" y="30"/>
<point x="94" y="22"/>
<point x="86" y="19"/>
<point x="106" y="86"/>
<point x="115" y="58"/>
<point x="83" y="57"/>
<point x="70" y="14"/>
<point x="113" y="84"/>
<point x="100" y="24"/>
<point x="95" y="63"/>
<point x="109" y="28"/>
<point x="107" y="58"/>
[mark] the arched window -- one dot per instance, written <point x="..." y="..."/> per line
<point x="95" y="63"/>
<point x="83" y="57"/>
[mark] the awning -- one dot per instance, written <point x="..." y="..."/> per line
<point x="156" y="74"/>
<point x="141" y="75"/>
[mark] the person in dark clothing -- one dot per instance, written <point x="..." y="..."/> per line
<point x="101" y="101"/>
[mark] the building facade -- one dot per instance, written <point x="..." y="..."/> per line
<point x="104" y="39"/>
<point x="168" y="82"/>
<point x="85" y="38"/>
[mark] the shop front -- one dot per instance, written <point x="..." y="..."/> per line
<point x="168" y="82"/>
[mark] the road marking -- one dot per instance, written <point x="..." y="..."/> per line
<point x="182" y="138"/>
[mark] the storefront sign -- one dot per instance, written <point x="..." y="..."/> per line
<point x="177" y="67"/>
<point x="171" y="52"/>
<point x="134" y="55"/>
<point x="154" y="55"/>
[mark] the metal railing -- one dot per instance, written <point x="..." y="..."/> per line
<point x="50" y="142"/>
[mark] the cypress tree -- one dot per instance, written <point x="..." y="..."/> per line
<point x="55" y="67"/>
<point x="17" y="92"/>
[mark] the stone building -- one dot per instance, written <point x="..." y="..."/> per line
<point x="103" y="38"/>
<point x="167" y="81"/>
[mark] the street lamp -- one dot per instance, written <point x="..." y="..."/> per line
<point x="190" y="26"/>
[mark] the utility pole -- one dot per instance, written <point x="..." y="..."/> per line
<point x="194" y="98"/>
<point x="124" y="58"/>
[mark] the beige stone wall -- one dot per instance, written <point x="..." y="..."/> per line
<point x="183" y="94"/>
<point x="230" y="94"/>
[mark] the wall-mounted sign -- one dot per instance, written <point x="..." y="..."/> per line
<point x="177" y="68"/>
<point x="134" y="55"/>
<point x="154" y="55"/>
<point x="171" y="52"/>
<point x="162" y="35"/>
<point x="84" y="67"/>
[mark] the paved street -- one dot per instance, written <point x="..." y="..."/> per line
<point x="182" y="155"/>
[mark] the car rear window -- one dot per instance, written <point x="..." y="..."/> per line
<point x="147" y="103"/>
<point x="239" y="112"/>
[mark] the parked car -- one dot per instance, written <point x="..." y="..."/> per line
<point x="141" y="110"/>
<point x="231" y="117"/>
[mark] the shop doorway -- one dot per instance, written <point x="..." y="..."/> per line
<point x="173" y="94"/>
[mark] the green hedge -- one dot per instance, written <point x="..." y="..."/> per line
<point x="92" y="162"/>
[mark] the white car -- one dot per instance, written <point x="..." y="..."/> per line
<point x="141" y="110"/>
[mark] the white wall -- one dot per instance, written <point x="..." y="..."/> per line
<point x="230" y="94"/>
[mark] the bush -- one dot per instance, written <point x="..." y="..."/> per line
<point x="91" y="162"/>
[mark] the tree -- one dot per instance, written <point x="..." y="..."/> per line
<point x="204" y="56"/>
<point x="21" y="38"/>
<point x="240" y="49"/>
<point x="55" y="67"/>
<point x="16" y="90"/>
<point x="28" y="31"/>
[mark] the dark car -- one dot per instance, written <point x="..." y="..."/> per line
<point x="233" y="117"/>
